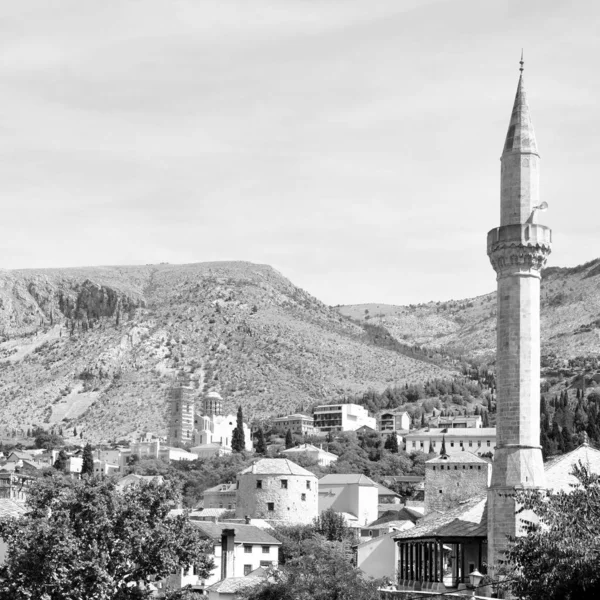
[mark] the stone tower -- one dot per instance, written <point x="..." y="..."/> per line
<point x="181" y="415"/>
<point x="518" y="250"/>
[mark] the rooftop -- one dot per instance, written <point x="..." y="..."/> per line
<point x="244" y="534"/>
<point x="346" y="479"/>
<point x="462" y="458"/>
<point x="469" y="519"/>
<point x="456" y="432"/>
<point x="10" y="508"/>
<point x="276" y="466"/>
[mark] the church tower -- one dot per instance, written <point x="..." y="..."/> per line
<point x="518" y="250"/>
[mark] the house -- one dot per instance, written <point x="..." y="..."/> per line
<point x="318" y="455"/>
<point x="11" y="510"/>
<point x="394" y="420"/>
<point x="220" y="496"/>
<point x="103" y="468"/>
<point x="14" y="486"/>
<point x="239" y="549"/>
<point x="376" y="556"/>
<point x="232" y="587"/>
<point x="297" y="423"/>
<point x="479" y="440"/>
<point x="354" y="494"/>
<point x="342" y="417"/>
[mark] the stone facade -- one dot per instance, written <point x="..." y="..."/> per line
<point x="518" y="250"/>
<point x="277" y="490"/>
<point x="449" y="480"/>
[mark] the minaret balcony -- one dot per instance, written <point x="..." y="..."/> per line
<point x="519" y="249"/>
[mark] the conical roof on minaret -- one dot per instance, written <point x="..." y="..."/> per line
<point x="520" y="136"/>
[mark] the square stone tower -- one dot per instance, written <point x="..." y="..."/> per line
<point x="518" y="250"/>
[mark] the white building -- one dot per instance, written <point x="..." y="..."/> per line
<point x="218" y="429"/>
<point x="450" y="422"/>
<point x="320" y="456"/>
<point x="479" y="440"/>
<point x="351" y="494"/>
<point x="342" y="417"/>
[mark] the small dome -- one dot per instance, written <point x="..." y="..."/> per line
<point x="214" y="395"/>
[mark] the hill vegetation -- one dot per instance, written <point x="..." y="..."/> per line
<point x="98" y="348"/>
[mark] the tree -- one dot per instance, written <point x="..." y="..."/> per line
<point x="48" y="441"/>
<point x="74" y="431"/>
<point x="238" y="443"/>
<point x="332" y="526"/>
<point x="60" y="464"/>
<point x="443" y="449"/>
<point x="289" y="440"/>
<point x="319" y="571"/>
<point x="87" y="467"/>
<point x="261" y="445"/>
<point x="557" y="559"/>
<point x="84" y="539"/>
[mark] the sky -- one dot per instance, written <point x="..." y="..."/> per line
<point x="353" y="145"/>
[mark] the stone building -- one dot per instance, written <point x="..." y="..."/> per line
<point x="449" y="480"/>
<point x="277" y="489"/>
<point x="518" y="250"/>
<point x="181" y="415"/>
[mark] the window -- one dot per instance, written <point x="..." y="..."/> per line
<point x="266" y="563"/>
<point x="488" y="443"/>
<point x="270" y="506"/>
<point x="434" y="468"/>
<point x="461" y="442"/>
<point x="308" y="485"/>
<point x="247" y="569"/>
<point x="284" y="484"/>
<point x="266" y="549"/>
<point x="452" y="444"/>
<point x="303" y="497"/>
<point x="259" y="484"/>
<point x="414" y="444"/>
<point x="421" y="444"/>
<point x="470" y="443"/>
<point x="441" y="492"/>
<point x="247" y="548"/>
<point x="479" y="444"/>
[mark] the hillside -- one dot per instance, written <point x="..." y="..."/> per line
<point x="570" y="318"/>
<point x="99" y="347"/>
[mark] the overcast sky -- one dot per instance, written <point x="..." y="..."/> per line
<point x="351" y="144"/>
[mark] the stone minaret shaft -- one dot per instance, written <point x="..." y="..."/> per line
<point x="518" y="250"/>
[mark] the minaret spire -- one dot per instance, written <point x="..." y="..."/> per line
<point x="521" y="62"/>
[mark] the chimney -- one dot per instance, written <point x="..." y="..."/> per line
<point x="227" y="545"/>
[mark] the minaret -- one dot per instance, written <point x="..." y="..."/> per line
<point x="518" y="250"/>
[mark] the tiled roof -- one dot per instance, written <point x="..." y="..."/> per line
<point x="469" y="519"/>
<point x="463" y="457"/>
<point x="308" y="448"/>
<point x="222" y="487"/>
<point x="383" y="491"/>
<point x="244" y="534"/>
<point x="559" y="471"/>
<point x="231" y="585"/>
<point x="276" y="466"/>
<point x="345" y="479"/>
<point x="10" y="508"/>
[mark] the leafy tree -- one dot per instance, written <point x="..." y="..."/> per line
<point x="557" y="559"/>
<point x="319" y="571"/>
<point x="60" y="464"/>
<point x="238" y="443"/>
<point x="332" y="526"/>
<point x="261" y="445"/>
<point x="85" y="539"/>
<point x="48" y="441"/>
<point x="289" y="440"/>
<point x="74" y="431"/>
<point x="87" y="468"/>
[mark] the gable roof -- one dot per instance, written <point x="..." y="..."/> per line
<point x="276" y="466"/>
<point x="244" y="534"/>
<point x="469" y="519"/>
<point x="10" y="508"/>
<point x="307" y="448"/>
<point x="346" y="479"/>
<point x="231" y="585"/>
<point x="559" y="471"/>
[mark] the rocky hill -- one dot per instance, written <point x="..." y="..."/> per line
<point x="570" y="318"/>
<point x="99" y="347"/>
